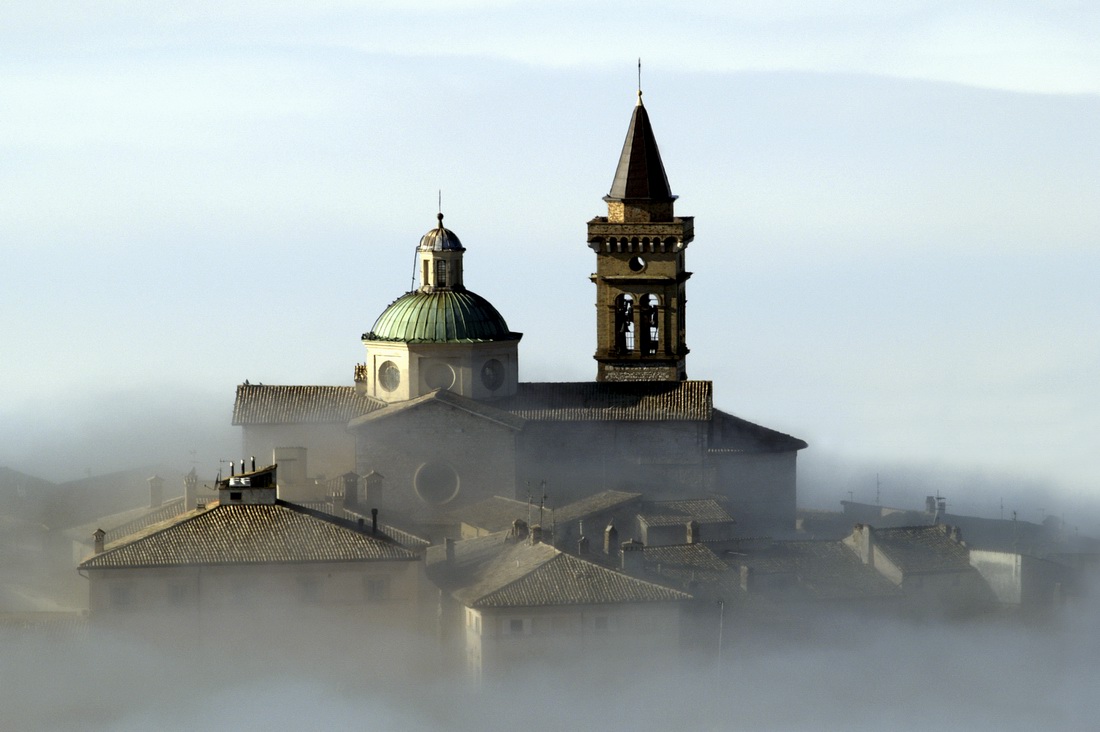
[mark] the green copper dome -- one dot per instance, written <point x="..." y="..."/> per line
<point x="442" y="316"/>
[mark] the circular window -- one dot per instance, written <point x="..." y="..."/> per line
<point x="637" y="264"/>
<point x="492" y="374"/>
<point x="389" y="376"/>
<point x="439" y="376"/>
<point x="436" y="483"/>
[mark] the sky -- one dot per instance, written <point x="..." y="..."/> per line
<point x="895" y="213"/>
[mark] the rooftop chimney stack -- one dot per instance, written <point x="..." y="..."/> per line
<point x="610" y="539"/>
<point x="692" y="532"/>
<point x="190" y="490"/>
<point x="98" y="537"/>
<point x="351" y="491"/>
<point x="449" y="548"/>
<point x="519" y="530"/>
<point x="536" y="534"/>
<point x="633" y="555"/>
<point x="374" y="520"/>
<point x="156" y="491"/>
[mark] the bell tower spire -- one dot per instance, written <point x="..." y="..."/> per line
<point x="640" y="276"/>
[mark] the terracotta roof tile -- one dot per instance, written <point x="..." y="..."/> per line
<point x="248" y="534"/>
<point x="611" y="401"/>
<point x="262" y="404"/>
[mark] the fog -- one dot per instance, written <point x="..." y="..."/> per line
<point x="844" y="672"/>
<point x="895" y="258"/>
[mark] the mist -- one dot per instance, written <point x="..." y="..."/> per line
<point x="843" y="671"/>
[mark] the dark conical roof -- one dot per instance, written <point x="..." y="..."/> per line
<point x="641" y="174"/>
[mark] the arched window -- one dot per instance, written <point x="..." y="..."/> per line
<point x="440" y="273"/>
<point x="649" y="324"/>
<point x="624" y="323"/>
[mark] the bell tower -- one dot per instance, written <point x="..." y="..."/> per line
<point x="640" y="277"/>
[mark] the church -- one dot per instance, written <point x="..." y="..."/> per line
<point x="438" y="417"/>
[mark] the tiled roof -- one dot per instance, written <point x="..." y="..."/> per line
<point x="263" y="404"/>
<point x="923" y="549"/>
<point x="730" y="434"/>
<point x="492" y="572"/>
<point x="667" y="513"/>
<point x="686" y="556"/>
<point x="128" y="522"/>
<point x="591" y="401"/>
<point x="248" y="534"/>
<point x="489" y="411"/>
<point x="492" y="514"/>
<point x="823" y="570"/>
<point x="597" y="503"/>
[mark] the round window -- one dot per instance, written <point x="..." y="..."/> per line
<point x="492" y="374"/>
<point x="637" y="264"/>
<point x="389" y="376"/>
<point x="439" y="376"/>
<point x="436" y="483"/>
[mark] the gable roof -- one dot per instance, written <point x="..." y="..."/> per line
<point x="494" y="572"/>
<point x="589" y="401"/>
<point x="730" y="434"/>
<point x="668" y="513"/>
<point x="493" y="514"/>
<point x="448" y="398"/>
<point x="128" y="522"/>
<point x="582" y="508"/>
<point x="922" y="548"/>
<point x="823" y="570"/>
<point x="279" y="533"/>
<point x="263" y="404"/>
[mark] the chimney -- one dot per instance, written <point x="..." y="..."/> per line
<point x="372" y="487"/>
<point x="930" y="505"/>
<point x="449" y="548"/>
<point x="536" y="535"/>
<point x="98" y="536"/>
<point x="582" y="546"/>
<point x="156" y="491"/>
<point x="253" y="463"/>
<point x="746" y="578"/>
<point x="692" y="532"/>
<point x="610" y="539"/>
<point x="633" y="555"/>
<point x="374" y="520"/>
<point x="190" y="490"/>
<point x="519" y="530"/>
<point x="351" y="491"/>
<point x="863" y="541"/>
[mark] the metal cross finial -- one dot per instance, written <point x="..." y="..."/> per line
<point x="639" y="80"/>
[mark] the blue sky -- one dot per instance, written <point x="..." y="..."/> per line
<point x="896" y="219"/>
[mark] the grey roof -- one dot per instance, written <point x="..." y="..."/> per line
<point x="822" y="570"/>
<point x="494" y="572"/>
<point x="128" y="522"/>
<point x="493" y="514"/>
<point x="278" y="533"/>
<point x="667" y="513"/>
<point x="923" y="549"/>
<point x="484" y="410"/>
<point x="263" y="404"/>
<point x="640" y="174"/>
<point x="730" y="434"/>
<point x="597" y="503"/>
<point x="584" y="401"/>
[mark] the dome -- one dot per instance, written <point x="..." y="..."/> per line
<point x="442" y="316"/>
<point x="440" y="239"/>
